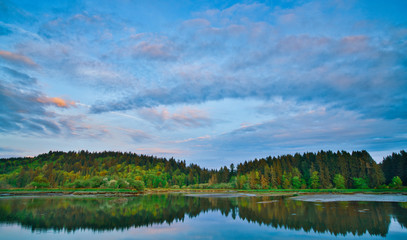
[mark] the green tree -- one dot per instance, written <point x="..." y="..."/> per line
<point x="339" y="181"/>
<point x="273" y="178"/>
<point x="296" y="182"/>
<point x="39" y="182"/>
<point x="264" y="183"/>
<point x="396" y="182"/>
<point x="314" y="180"/>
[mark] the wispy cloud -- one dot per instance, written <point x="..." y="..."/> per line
<point x="56" y="101"/>
<point x="151" y="50"/>
<point x="193" y="139"/>
<point x="185" y="117"/>
<point x="17" y="59"/>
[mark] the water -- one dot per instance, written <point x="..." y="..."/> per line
<point x="178" y="216"/>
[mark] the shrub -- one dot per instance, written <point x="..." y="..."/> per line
<point x="111" y="183"/>
<point x="396" y="182"/>
<point x="95" y="182"/>
<point x="121" y="183"/>
<point x="360" y="183"/>
<point x="222" y="186"/>
<point x="384" y="186"/>
<point x="139" y="185"/>
<point x="69" y="185"/>
<point x="39" y="182"/>
<point x="81" y="183"/>
<point x="38" y="185"/>
<point x="4" y="185"/>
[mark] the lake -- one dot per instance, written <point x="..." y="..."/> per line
<point x="204" y="216"/>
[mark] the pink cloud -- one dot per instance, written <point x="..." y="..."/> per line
<point x="353" y="44"/>
<point x="17" y="58"/>
<point x="186" y="117"/>
<point x="157" y="50"/>
<point x="193" y="139"/>
<point x="58" y="102"/>
<point x="197" y="23"/>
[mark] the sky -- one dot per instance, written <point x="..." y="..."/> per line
<point x="209" y="82"/>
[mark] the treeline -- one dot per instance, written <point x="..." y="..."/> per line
<point x="324" y="169"/>
<point x="395" y="165"/>
<point x="309" y="170"/>
<point x="100" y="169"/>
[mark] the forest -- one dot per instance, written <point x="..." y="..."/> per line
<point x="115" y="170"/>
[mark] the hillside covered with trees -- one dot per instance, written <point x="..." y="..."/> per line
<point x="325" y="169"/>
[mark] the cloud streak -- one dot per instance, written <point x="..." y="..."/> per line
<point x="56" y="101"/>
<point x="17" y="59"/>
<point x="186" y="117"/>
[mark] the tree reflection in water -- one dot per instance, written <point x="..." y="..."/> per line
<point x="108" y="213"/>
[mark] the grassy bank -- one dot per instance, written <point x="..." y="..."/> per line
<point x="169" y="190"/>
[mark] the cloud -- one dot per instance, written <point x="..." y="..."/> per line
<point x="158" y="50"/>
<point x="303" y="59"/>
<point x="25" y="109"/>
<point x="7" y="149"/>
<point x="193" y="139"/>
<point x="263" y="63"/>
<point x="81" y="126"/>
<point x="17" y="76"/>
<point x="17" y="59"/>
<point x="22" y="112"/>
<point x="299" y="127"/>
<point x="186" y="117"/>
<point x="136" y="135"/>
<point x="56" y="101"/>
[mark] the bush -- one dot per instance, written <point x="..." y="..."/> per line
<point x="221" y="186"/>
<point x="396" y="182"/>
<point x="112" y="183"/>
<point x="139" y="185"/>
<point x="39" y="182"/>
<point x="38" y="185"/>
<point x="95" y="182"/>
<point x="69" y="185"/>
<point x="360" y="183"/>
<point x="121" y="183"/>
<point x="81" y="183"/>
<point x="4" y="185"/>
<point x="384" y="186"/>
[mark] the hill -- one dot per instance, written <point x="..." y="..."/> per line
<point x="324" y="169"/>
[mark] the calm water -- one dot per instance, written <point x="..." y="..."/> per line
<point x="177" y="216"/>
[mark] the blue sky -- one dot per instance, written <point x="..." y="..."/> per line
<point x="211" y="82"/>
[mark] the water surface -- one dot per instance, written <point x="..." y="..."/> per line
<point x="176" y="216"/>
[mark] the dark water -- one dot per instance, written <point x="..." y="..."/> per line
<point x="177" y="216"/>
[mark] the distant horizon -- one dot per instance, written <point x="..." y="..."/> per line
<point x="213" y="82"/>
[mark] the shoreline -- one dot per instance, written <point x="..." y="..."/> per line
<point x="130" y="192"/>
